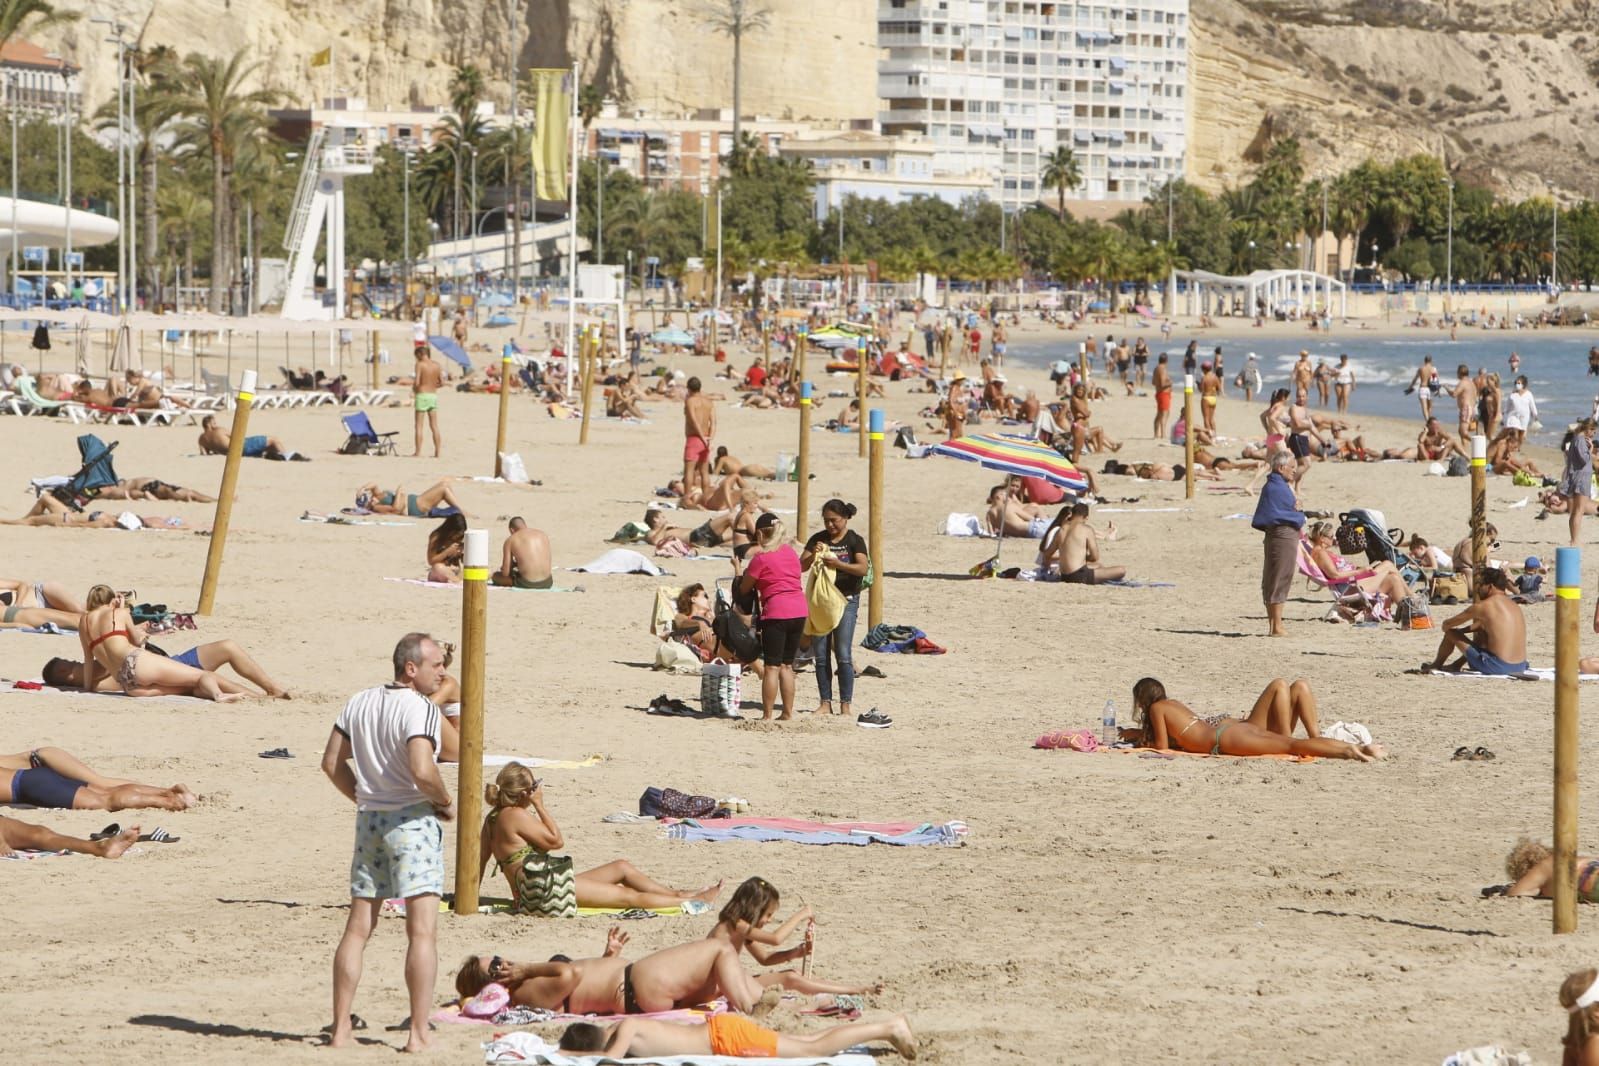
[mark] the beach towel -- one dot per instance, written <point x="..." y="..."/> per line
<point x="49" y="627"/>
<point x="505" y="588"/>
<point x="905" y="640"/>
<point x="23" y="856"/>
<point x="493" y="905"/>
<point x="545" y="764"/>
<point x="630" y="533"/>
<point x="803" y="825"/>
<point x="620" y="561"/>
<point x="454" y="1015"/>
<point x="946" y="835"/>
<point x="1546" y="673"/>
<point x="964" y="525"/>
<point x="348" y="517"/>
<point x="39" y="688"/>
<point x="530" y="1048"/>
<point x="1134" y="583"/>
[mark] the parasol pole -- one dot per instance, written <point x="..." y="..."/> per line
<point x="860" y="391"/>
<point x="1188" y="435"/>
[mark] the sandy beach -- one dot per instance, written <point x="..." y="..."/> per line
<point x="1104" y="907"/>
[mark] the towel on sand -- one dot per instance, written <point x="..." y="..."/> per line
<point x="946" y="835"/>
<point x="491" y="905"/>
<point x="453" y="585"/>
<point x="49" y="627"/>
<point x="530" y="1048"/>
<point x="964" y="525"/>
<point x="620" y="561"/>
<point x="544" y="764"/>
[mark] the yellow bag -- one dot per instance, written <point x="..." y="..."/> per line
<point x="824" y="602"/>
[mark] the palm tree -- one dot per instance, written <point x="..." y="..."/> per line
<point x="590" y="102"/>
<point x="183" y="217"/>
<point x="466" y="89"/>
<point x="154" y="69"/>
<point x="34" y="14"/>
<point x="221" y="113"/>
<point x="1062" y="171"/>
<point x="735" y="18"/>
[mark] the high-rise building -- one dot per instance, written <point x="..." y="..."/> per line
<point x="998" y="84"/>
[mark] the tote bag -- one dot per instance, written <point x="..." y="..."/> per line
<point x="824" y="602"/>
<point x="721" y="687"/>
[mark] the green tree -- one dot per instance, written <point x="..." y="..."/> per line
<point x="31" y="15"/>
<point x="374" y="209"/>
<point x="735" y="18"/>
<point x="219" y="111"/>
<point x="1062" y="172"/>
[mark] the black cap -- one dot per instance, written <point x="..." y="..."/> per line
<point x="766" y="521"/>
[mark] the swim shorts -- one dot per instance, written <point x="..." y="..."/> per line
<point x="736" y="1036"/>
<point x="398" y="854"/>
<point x="189" y="658"/>
<point x="704" y="536"/>
<point x="1081" y="576"/>
<point x="1037" y="526"/>
<point x="1163" y="400"/>
<point x="1486" y="662"/>
<point x="518" y="581"/>
<point x="41" y="786"/>
<point x="696" y="449"/>
<point x="426" y="401"/>
<point x="1299" y="444"/>
<point x="254" y="447"/>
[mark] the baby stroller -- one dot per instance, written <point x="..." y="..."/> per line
<point x="1367" y="530"/>
<point x="96" y="473"/>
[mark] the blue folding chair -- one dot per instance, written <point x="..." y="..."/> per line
<point x="363" y="439"/>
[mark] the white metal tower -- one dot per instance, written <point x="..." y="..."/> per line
<point x="336" y="151"/>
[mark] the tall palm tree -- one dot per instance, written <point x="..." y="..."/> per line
<point x="1063" y="172"/>
<point x="735" y="18"/>
<point x="221" y="111"/>
<point x="154" y="72"/>
<point x="183" y="218"/>
<point x="466" y="89"/>
<point x="32" y="14"/>
<point x="590" y="102"/>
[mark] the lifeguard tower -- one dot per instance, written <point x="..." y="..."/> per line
<point x="338" y="150"/>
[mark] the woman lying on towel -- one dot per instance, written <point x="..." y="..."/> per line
<point x="1164" y="724"/>
<point x="436" y="501"/>
<point x="50" y="777"/>
<point x="520" y="835"/>
<point x="49" y="511"/>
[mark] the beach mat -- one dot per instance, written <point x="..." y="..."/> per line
<point x="1536" y="673"/>
<point x="948" y="834"/>
<point x="7" y="685"/>
<point x="498" y="905"/>
<point x="523" y="1047"/>
<point x="452" y="585"/>
<point x="533" y="763"/>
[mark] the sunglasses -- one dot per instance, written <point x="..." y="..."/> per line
<point x="495" y="964"/>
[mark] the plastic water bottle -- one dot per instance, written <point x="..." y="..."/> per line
<point x="1107" y="724"/>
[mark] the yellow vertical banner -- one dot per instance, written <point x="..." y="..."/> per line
<point x="552" y="105"/>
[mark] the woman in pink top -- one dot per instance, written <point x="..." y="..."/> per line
<point x="774" y="572"/>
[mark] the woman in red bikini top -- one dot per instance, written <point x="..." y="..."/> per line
<point x="112" y="645"/>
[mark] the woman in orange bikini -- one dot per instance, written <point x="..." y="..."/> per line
<point x="1164" y="724"/>
<point x="111" y="646"/>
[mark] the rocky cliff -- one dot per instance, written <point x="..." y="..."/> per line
<point x="815" y="59"/>
<point x="1504" y="91"/>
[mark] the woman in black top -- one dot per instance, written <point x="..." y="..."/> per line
<point x="843" y="552"/>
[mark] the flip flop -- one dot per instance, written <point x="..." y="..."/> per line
<point x="158" y="836"/>
<point x="357" y="1023"/>
<point x="1483" y="755"/>
<point x="107" y="833"/>
<point x="277" y="753"/>
<point x="871" y="671"/>
<point x="1462" y="754"/>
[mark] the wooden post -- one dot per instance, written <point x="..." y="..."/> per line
<point x="804" y="460"/>
<point x="469" y="797"/>
<point x="943" y="353"/>
<point x="1479" y="505"/>
<point x="766" y="344"/>
<point x="1568" y="602"/>
<point x="799" y="351"/>
<point x="588" y="347"/>
<point x="506" y="373"/>
<point x="372" y="355"/>
<point x="860" y="392"/>
<point x="230" y="482"/>
<point x="1082" y="362"/>
<point x="874" y="527"/>
<point x="1188" y="435"/>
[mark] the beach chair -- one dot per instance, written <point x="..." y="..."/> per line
<point x="36" y="404"/>
<point x="96" y="473"/>
<point x="1349" y="599"/>
<point x="363" y="439"/>
<point x="215" y="384"/>
<point x="10" y="403"/>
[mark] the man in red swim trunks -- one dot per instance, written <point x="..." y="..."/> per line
<point x="699" y="426"/>
<point x="1162" y="383"/>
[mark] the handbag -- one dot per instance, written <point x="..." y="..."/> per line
<point x="721" y="687"/>
<point x="1450" y="588"/>
<point x="871" y="575"/>
<point x="548" y="886"/>
<point x="825" y="604"/>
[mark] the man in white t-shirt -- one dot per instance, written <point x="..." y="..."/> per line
<point x="381" y="754"/>
<point x="1521" y="410"/>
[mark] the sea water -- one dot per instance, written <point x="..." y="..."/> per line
<point x="1555" y="363"/>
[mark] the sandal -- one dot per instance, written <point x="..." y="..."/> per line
<point x="871" y="671"/>
<point x="107" y="833"/>
<point x="1461" y="754"/>
<point x="1483" y="755"/>
<point x="158" y="836"/>
<point x="276" y="753"/>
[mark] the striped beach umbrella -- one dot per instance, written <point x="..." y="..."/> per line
<point x="1016" y="455"/>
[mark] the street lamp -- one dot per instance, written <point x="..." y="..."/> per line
<point x="116" y="28"/>
<point x="1449" y="269"/>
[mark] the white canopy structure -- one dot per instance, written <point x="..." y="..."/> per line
<point x="1262" y="291"/>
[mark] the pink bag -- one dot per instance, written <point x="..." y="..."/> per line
<point x="1080" y="740"/>
<point x="493" y="999"/>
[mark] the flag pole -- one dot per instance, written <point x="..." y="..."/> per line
<point x="571" y="239"/>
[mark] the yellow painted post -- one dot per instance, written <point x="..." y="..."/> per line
<point x="230" y="483"/>
<point x="507" y="372"/>
<point x="1188" y="435"/>
<point x="590" y="350"/>
<point x="372" y="354"/>
<point x="804" y="461"/>
<point x="874" y="526"/>
<point x="469" y="795"/>
<point x="1568" y="603"/>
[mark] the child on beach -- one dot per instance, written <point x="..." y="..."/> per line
<point x="732" y="1035"/>
<point x="742" y="923"/>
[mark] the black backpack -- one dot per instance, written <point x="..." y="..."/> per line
<point x="736" y="630"/>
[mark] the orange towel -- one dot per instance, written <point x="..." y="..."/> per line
<point x="736" y="1035"/>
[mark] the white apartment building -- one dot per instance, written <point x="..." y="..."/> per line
<point x="997" y="84"/>
<point x="874" y="167"/>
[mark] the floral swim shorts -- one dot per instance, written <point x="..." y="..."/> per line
<point x="398" y="854"/>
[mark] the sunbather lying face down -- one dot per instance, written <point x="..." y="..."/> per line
<point x="1164" y="723"/>
<point x="50" y="777"/>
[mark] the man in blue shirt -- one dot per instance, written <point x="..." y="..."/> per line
<point x="1278" y="516"/>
